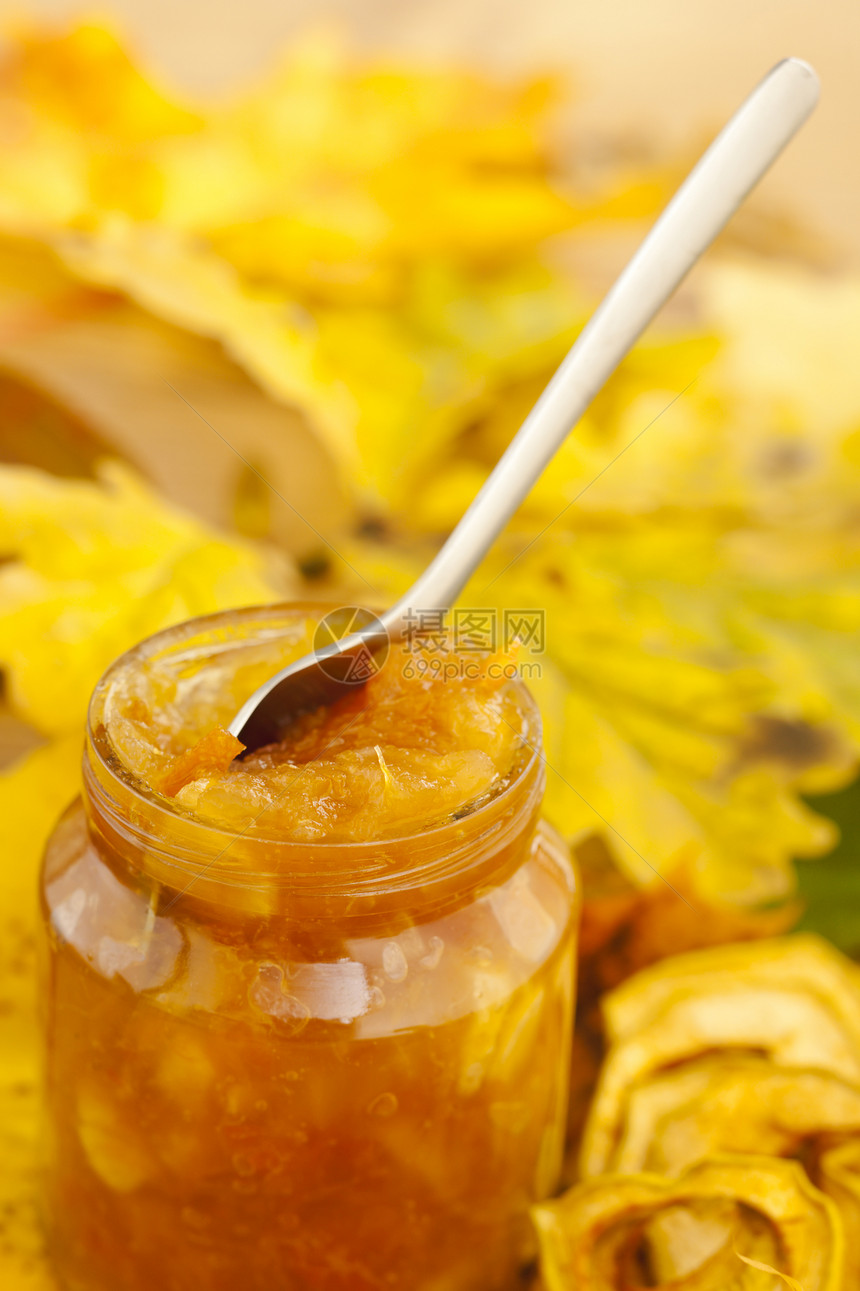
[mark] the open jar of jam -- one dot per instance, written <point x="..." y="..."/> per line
<point x="308" y="1014"/>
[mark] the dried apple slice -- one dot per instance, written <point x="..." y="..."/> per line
<point x="714" y="1229"/>
<point x="795" y="1000"/>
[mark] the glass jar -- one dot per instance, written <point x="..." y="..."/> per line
<point x="319" y="1067"/>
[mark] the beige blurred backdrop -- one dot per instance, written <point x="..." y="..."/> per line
<point x="666" y="70"/>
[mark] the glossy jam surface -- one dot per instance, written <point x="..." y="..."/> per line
<point x="405" y="752"/>
<point x="252" y="1085"/>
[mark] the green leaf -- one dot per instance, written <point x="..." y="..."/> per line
<point x="830" y="886"/>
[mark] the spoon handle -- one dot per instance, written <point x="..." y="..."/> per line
<point x="709" y="196"/>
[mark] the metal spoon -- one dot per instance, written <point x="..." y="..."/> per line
<point x="711" y="193"/>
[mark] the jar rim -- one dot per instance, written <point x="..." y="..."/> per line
<point x="140" y="816"/>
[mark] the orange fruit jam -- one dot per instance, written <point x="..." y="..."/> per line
<point x="402" y="753"/>
<point x="307" y="1014"/>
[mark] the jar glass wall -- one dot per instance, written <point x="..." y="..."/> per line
<point x="310" y="1065"/>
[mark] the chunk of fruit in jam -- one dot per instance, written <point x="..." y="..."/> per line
<point x="213" y="753"/>
<point x="404" y="753"/>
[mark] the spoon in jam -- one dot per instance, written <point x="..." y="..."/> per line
<point x="733" y="164"/>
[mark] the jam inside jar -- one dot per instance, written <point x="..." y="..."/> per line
<point x="316" y="1063"/>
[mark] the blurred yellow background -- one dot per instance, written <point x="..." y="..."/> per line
<point x="669" y="71"/>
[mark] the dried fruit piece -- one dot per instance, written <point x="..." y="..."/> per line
<point x="742" y="1049"/>
<point x="795" y="999"/>
<point x="695" y="1233"/>
<point x="113" y="1147"/>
